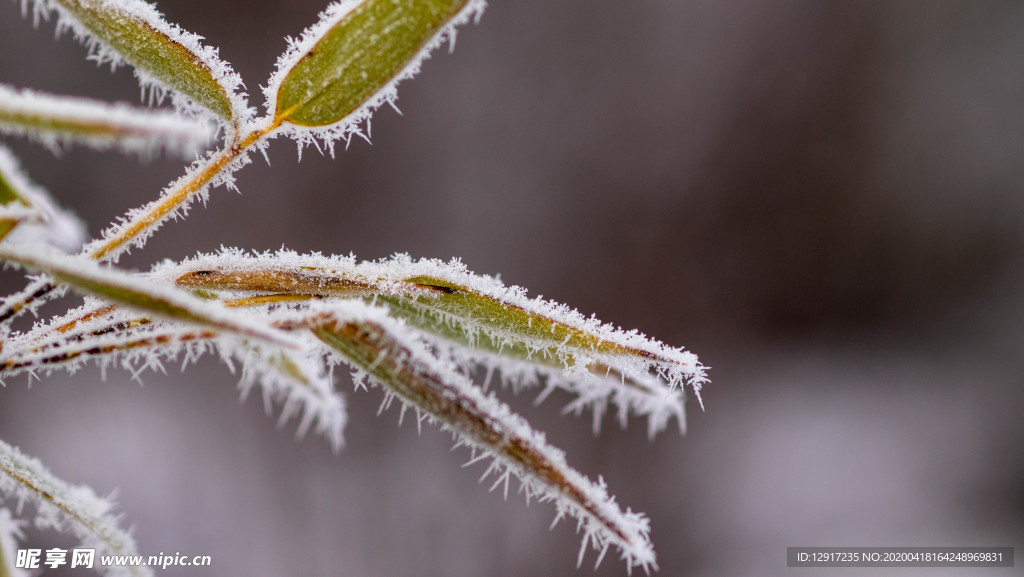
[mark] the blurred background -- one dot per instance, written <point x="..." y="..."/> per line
<point x="821" y="199"/>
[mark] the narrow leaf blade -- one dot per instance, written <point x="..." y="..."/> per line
<point x="477" y="320"/>
<point x="164" y="55"/>
<point x="352" y="59"/>
<point x="58" y="119"/>
<point x="382" y="348"/>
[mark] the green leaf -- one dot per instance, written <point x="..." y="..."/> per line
<point x="148" y="43"/>
<point x="409" y="297"/>
<point x="449" y="310"/>
<point x="581" y="357"/>
<point x="358" y="56"/>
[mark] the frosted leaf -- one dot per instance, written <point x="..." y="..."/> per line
<point x="385" y="350"/>
<point x="64" y="507"/>
<point x="10" y="534"/>
<point x="165" y="57"/>
<point x="350" y="62"/>
<point x="103" y="333"/>
<point x="141" y="294"/>
<point x="475" y="319"/>
<point x="117" y="338"/>
<point x="54" y="120"/>
<point x="46" y="222"/>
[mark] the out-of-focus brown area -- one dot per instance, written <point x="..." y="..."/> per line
<point x="821" y="199"/>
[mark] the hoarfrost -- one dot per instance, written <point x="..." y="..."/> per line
<point x="141" y="293"/>
<point x="134" y="228"/>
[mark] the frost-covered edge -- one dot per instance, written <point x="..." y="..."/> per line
<point x="592" y="391"/>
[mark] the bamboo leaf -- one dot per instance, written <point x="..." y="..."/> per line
<point x="383" y="349"/>
<point x="163" y="54"/>
<point x="141" y="294"/>
<point x="476" y="320"/>
<point x="56" y="119"/>
<point x="358" y="56"/>
<point x="352" y="59"/>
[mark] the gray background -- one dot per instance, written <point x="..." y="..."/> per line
<point x="821" y="199"/>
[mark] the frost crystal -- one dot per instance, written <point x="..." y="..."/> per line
<point x="112" y="337"/>
<point x="134" y="228"/>
<point x="140" y="294"/>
